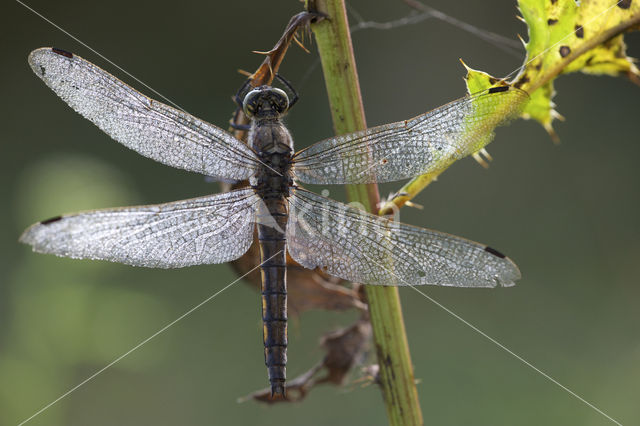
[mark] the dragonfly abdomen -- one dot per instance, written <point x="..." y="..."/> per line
<point x="272" y="222"/>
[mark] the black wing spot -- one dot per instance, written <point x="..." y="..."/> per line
<point x="579" y="31"/>
<point x="42" y="70"/>
<point x="498" y="89"/>
<point x="494" y="252"/>
<point x="421" y="273"/>
<point x="564" y="51"/>
<point x="552" y="22"/>
<point x="48" y="221"/>
<point x="62" y="52"/>
<point x="624" y="4"/>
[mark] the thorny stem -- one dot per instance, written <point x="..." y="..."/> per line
<point x="338" y="65"/>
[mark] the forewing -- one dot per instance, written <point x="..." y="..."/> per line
<point x="149" y="127"/>
<point x="360" y="247"/>
<point x="213" y="229"/>
<point x="426" y="143"/>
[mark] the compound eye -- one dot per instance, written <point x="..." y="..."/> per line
<point x="280" y="100"/>
<point x="250" y="104"/>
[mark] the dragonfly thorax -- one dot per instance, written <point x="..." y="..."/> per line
<point x="265" y="102"/>
<point x="270" y="139"/>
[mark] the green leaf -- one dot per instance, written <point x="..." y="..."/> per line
<point x="565" y="36"/>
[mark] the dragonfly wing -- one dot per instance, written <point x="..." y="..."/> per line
<point x="405" y="149"/>
<point x="357" y="246"/>
<point x="151" y="128"/>
<point x="213" y="229"/>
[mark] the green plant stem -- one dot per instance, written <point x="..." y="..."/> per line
<point x="339" y="68"/>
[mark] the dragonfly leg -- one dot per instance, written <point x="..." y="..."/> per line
<point x="289" y="86"/>
<point x="236" y="126"/>
<point x="242" y="92"/>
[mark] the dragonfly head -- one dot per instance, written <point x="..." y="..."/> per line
<point x="265" y="102"/>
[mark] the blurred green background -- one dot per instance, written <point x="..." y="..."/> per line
<point x="567" y="214"/>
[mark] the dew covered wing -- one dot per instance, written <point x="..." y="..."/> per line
<point x="360" y="247"/>
<point x="149" y="127"/>
<point x="213" y="229"/>
<point x="402" y="150"/>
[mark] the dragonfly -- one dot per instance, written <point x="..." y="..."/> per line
<point x="315" y="231"/>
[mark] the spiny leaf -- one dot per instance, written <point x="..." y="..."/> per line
<point x="564" y="36"/>
<point x="567" y="36"/>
